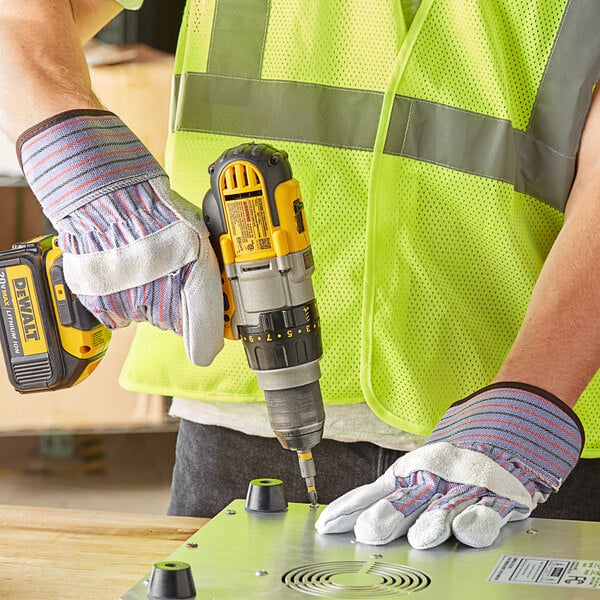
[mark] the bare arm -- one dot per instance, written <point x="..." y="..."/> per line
<point x="44" y="70"/>
<point x="558" y="345"/>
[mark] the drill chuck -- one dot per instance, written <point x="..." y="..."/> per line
<point x="296" y="415"/>
<point x="284" y="352"/>
<point x="287" y="369"/>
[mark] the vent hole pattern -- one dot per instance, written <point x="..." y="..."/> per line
<point x="355" y="579"/>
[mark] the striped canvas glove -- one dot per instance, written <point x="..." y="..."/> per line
<point x="491" y="459"/>
<point x="133" y="250"/>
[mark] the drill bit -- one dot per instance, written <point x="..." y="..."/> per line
<point x="308" y="471"/>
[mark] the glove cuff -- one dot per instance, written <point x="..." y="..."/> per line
<point x="537" y="391"/>
<point x="522" y="422"/>
<point x="74" y="157"/>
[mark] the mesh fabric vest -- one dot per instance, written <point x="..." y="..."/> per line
<point x="434" y="162"/>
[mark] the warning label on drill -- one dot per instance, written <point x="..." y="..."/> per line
<point x="561" y="572"/>
<point x="248" y="225"/>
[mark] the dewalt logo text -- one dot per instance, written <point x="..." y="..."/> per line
<point x="26" y="310"/>
<point x="27" y="315"/>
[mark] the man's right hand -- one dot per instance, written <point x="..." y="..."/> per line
<point x="133" y="249"/>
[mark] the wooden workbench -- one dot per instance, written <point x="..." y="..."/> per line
<point x="59" y="554"/>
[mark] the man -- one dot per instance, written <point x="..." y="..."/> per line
<point x="436" y="148"/>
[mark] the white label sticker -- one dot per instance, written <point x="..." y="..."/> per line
<point x="562" y="572"/>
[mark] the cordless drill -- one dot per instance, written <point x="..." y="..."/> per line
<point x="256" y="218"/>
<point x="257" y="225"/>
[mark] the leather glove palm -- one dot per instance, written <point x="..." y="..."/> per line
<point x="490" y="460"/>
<point x="133" y="249"/>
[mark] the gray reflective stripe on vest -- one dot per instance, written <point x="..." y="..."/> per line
<point x="231" y="99"/>
<point x="238" y="36"/>
<point x="479" y="145"/>
<point x="277" y="110"/>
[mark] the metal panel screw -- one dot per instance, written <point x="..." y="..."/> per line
<point x="191" y="545"/>
<point x="376" y="556"/>
<point x="260" y="573"/>
<point x="532" y="531"/>
<point x="230" y="511"/>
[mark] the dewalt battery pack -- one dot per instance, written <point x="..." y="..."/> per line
<point x="50" y="341"/>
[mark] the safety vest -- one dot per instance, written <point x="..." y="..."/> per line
<point x="435" y="163"/>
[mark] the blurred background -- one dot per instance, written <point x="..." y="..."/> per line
<point x="95" y="446"/>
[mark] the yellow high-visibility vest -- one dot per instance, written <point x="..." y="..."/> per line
<point x="435" y="162"/>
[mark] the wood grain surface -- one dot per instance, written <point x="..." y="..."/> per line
<point x="59" y="554"/>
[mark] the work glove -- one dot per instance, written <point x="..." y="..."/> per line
<point x="133" y="249"/>
<point x="491" y="459"/>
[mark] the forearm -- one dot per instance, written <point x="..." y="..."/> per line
<point x="44" y="70"/>
<point x="558" y="345"/>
